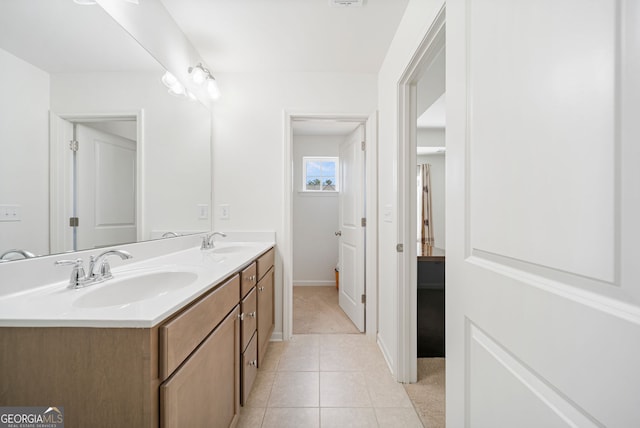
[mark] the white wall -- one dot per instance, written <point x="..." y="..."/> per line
<point x="177" y="144"/>
<point x="431" y="137"/>
<point x="437" y="162"/>
<point x="24" y="153"/>
<point x="315" y="218"/>
<point x="415" y="23"/>
<point x="432" y="85"/>
<point x="248" y="142"/>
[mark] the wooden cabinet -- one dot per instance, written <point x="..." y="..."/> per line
<point x="203" y="391"/>
<point x="190" y="370"/>
<point x="248" y="368"/>
<point x="184" y="332"/>
<point x="248" y="279"/>
<point x="265" y="289"/>
<point x="248" y="323"/>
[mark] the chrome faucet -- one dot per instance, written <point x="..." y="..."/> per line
<point x="99" y="268"/>
<point x="207" y="241"/>
<point x="24" y="253"/>
<point x="100" y="262"/>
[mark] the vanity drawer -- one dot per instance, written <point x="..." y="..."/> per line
<point x="248" y="279"/>
<point x="265" y="262"/>
<point x="248" y="320"/>
<point x="183" y="333"/>
<point x="248" y="369"/>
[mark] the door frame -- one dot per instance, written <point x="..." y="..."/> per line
<point x="60" y="179"/>
<point x="371" y="203"/>
<point x="407" y="273"/>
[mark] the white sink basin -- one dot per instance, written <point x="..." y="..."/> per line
<point x="116" y="291"/>
<point x="229" y="249"/>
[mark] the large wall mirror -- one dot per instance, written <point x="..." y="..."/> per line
<point x="94" y="150"/>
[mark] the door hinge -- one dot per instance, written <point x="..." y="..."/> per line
<point x="364" y="298"/>
<point x="363" y="222"/>
<point x="364" y="146"/>
<point x="74" y="221"/>
<point x="400" y="248"/>
<point x="73" y="145"/>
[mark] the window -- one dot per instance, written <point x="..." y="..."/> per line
<point x="320" y="174"/>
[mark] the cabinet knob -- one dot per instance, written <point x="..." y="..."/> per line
<point x="241" y="316"/>
<point x="260" y="288"/>
<point x="253" y="363"/>
<point x="252" y="314"/>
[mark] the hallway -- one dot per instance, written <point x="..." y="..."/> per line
<point x="327" y="380"/>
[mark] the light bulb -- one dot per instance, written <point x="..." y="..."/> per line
<point x="212" y="89"/>
<point x="169" y="79"/>
<point x="198" y="75"/>
<point x="177" y="89"/>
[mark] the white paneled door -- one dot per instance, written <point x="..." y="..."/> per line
<point x="350" y="214"/>
<point x="106" y="188"/>
<point x="543" y="185"/>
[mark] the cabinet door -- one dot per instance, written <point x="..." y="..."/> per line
<point x="204" y="391"/>
<point x="249" y="318"/>
<point x="248" y="279"/>
<point x="265" y="313"/>
<point x="249" y="368"/>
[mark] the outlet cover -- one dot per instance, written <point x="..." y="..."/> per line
<point x="225" y="212"/>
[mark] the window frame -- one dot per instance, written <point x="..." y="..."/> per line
<point x="336" y="184"/>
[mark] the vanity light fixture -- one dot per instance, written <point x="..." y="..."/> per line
<point x="202" y="76"/>
<point x="174" y="86"/>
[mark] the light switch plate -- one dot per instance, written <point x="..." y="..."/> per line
<point x="387" y="213"/>
<point x="203" y="211"/>
<point x="10" y="212"/>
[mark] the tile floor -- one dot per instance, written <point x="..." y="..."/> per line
<point x="327" y="380"/>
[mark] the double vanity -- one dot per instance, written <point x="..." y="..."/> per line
<point x="171" y="341"/>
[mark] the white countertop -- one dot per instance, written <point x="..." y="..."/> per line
<point x="56" y="305"/>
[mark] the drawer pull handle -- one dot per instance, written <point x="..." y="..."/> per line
<point x="253" y="363"/>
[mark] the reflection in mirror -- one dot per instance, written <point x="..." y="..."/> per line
<point x="69" y="73"/>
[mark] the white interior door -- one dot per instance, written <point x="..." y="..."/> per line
<point x="350" y="214"/>
<point x="543" y="279"/>
<point x="106" y="188"/>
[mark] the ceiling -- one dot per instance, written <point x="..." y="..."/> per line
<point x="60" y="36"/>
<point x="289" y="35"/>
<point x="435" y="116"/>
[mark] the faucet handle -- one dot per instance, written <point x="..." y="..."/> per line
<point x="77" y="274"/>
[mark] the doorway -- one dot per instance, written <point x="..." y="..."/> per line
<point x="327" y="245"/>
<point x="95" y="180"/>
<point x="295" y="197"/>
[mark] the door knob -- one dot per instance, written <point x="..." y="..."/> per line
<point x="338" y="233"/>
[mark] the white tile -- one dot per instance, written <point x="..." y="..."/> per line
<point x="291" y="418"/>
<point x="250" y="417"/>
<point x="347" y="418"/>
<point x="295" y="389"/>
<point x="343" y="389"/>
<point x="385" y="391"/>
<point x="398" y="418"/>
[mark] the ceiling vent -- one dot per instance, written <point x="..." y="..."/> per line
<point x="346" y="3"/>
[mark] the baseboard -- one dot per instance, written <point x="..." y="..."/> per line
<point x="310" y="283"/>
<point x="276" y="336"/>
<point x="386" y="355"/>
